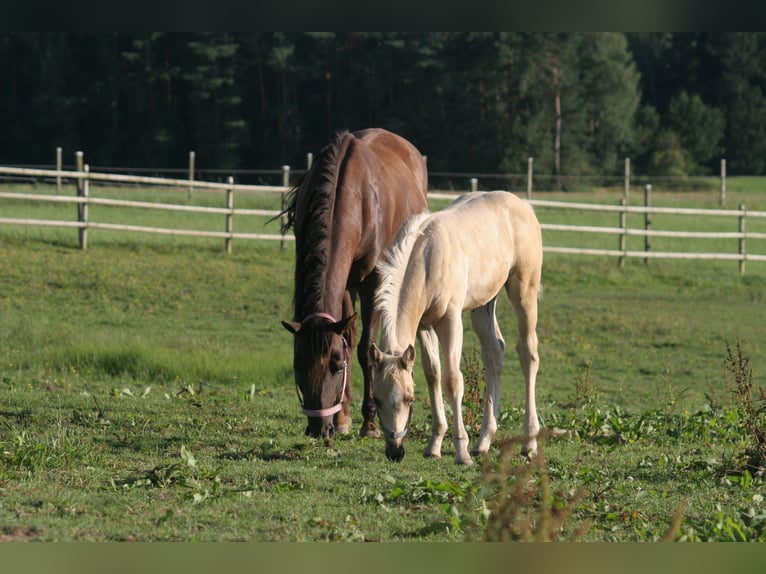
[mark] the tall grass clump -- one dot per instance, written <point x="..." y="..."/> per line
<point x="753" y="414"/>
<point x="522" y="505"/>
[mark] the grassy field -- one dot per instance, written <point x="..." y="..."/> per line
<point x="146" y="394"/>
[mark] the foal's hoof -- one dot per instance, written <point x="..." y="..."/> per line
<point x="369" y="430"/>
<point x="529" y="453"/>
<point x="464" y="460"/>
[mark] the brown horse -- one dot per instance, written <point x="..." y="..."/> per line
<point x="345" y="211"/>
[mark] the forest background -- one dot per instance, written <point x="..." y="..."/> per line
<point x="675" y="103"/>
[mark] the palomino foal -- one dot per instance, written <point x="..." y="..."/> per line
<point x="439" y="265"/>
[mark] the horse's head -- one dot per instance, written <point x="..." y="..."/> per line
<point x="393" y="389"/>
<point x="321" y="366"/>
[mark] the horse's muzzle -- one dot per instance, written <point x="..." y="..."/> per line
<point x="320" y="427"/>
<point x="394" y="453"/>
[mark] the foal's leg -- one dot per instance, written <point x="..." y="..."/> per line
<point x="523" y="294"/>
<point x="429" y="347"/>
<point x="492" y="346"/>
<point x="450" y="331"/>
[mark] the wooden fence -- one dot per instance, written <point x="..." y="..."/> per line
<point x="82" y="177"/>
<point x="83" y="199"/>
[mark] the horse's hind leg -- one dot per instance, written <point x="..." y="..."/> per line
<point x="523" y="294"/>
<point x="429" y="347"/>
<point x="492" y="346"/>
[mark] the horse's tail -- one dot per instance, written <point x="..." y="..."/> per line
<point x="287" y="215"/>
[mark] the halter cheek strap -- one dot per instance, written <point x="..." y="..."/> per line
<point x="335" y="408"/>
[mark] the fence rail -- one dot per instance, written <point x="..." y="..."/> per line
<point x="83" y="177"/>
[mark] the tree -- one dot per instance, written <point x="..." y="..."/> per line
<point x="700" y="130"/>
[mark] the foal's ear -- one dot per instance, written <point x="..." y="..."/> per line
<point x="407" y="358"/>
<point x="292" y="326"/>
<point x="375" y="355"/>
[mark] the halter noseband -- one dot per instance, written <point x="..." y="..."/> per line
<point x="393" y="435"/>
<point x="335" y="408"/>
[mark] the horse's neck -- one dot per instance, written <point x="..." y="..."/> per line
<point x="325" y="296"/>
<point x="401" y="320"/>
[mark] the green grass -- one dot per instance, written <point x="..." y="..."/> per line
<point x="146" y="393"/>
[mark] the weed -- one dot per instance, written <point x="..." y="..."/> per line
<point x="521" y="503"/>
<point x="474" y="378"/>
<point x="586" y="391"/>
<point x="754" y="421"/>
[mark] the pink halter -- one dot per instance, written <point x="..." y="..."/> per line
<point x="335" y="408"/>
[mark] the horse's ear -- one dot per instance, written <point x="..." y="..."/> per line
<point x="292" y="326"/>
<point x="375" y="355"/>
<point x="407" y="358"/>
<point x="341" y="325"/>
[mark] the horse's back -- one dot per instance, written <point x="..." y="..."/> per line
<point x="481" y="240"/>
<point x="387" y="177"/>
<point x="491" y="212"/>
<point x="399" y="165"/>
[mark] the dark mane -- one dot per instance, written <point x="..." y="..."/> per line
<point x="309" y="210"/>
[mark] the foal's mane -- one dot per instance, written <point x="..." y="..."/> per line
<point x="309" y="207"/>
<point x="392" y="268"/>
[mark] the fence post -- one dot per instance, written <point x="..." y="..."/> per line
<point x="723" y="182"/>
<point x="78" y="166"/>
<point x="742" y="252"/>
<point x="623" y="225"/>
<point x="58" y="169"/>
<point x="627" y="178"/>
<point x="647" y="221"/>
<point x="230" y="213"/>
<point x="474" y="184"/>
<point x="83" y="210"/>
<point x="529" y="177"/>
<point x="285" y="183"/>
<point x="191" y="173"/>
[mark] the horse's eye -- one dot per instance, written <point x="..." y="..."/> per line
<point x="376" y="400"/>
<point x="336" y="366"/>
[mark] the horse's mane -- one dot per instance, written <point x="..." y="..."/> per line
<point x="392" y="268"/>
<point x="308" y="211"/>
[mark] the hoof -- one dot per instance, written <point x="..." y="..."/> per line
<point x="369" y="430"/>
<point x="343" y="429"/>
<point x="431" y="455"/>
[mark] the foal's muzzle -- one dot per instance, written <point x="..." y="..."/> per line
<point x="394" y="452"/>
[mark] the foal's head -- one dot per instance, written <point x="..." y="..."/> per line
<point x="393" y="389"/>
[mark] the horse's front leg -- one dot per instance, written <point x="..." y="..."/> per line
<point x="343" y="417"/>
<point x="429" y="347"/>
<point x="370" y="320"/>
<point x="450" y="331"/>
